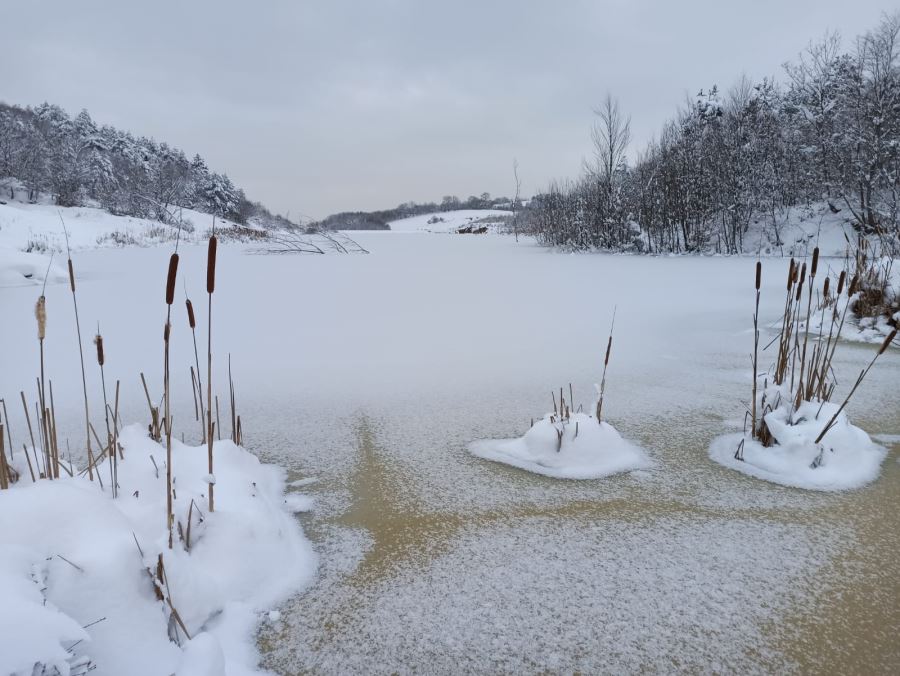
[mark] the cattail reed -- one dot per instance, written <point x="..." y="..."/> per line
<point x="605" y="366"/>
<point x="210" y="288"/>
<point x="192" y="321"/>
<point x="110" y="451"/>
<point x="881" y="350"/>
<point x="40" y="315"/>
<point x="170" y="297"/>
<point x="170" y="279"/>
<point x="87" y="418"/>
<point x="4" y="472"/>
<point x="755" y="347"/>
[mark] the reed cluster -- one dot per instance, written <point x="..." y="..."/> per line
<point x="803" y="368"/>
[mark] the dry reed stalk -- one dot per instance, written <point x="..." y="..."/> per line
<point x="167" y="415"/>
<point x="115" y="442"/>
<point x="110" y="452"/>
<point x="755" y="348"/>
<point x="4" y="472"/>
<point x="851" y="290"/>
<point x="218" y="422"/>
<point x="8" y="431"/>
<point x="30" y="432"/>
<point x="154" y="413"/>
<point x="44" y="429"/>
<point x="812" y="277"/>
<point x="231" y="398"/>
<point x="605" y="366"/>
<point x="210" y="288"/>
<point x="192" y="321"/>
<point x="164" y="582"/>
<point x="40" y="314"/>
<point x="87" y="419"/>
<point x="194" y="392"/>
<point x="784" y="338"/>
<point x="30" y="468"/>
<point x="55" y="438"/>
<point x="881" y="350"/>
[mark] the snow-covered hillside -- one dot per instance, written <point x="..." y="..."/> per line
<point x="31" y="233"/>
<point x="450" y="221"/>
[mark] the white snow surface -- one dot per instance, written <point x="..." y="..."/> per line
<point x="31" y="233"/>
<point x="845" y="459"/>
<point x="448" y="221"/>
<point x="70" y="558"/>
<point x="585" y="449"/>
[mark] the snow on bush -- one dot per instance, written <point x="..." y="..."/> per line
<point x="80" y="576"/>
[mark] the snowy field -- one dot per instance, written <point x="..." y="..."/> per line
<point x="374" y="373"/>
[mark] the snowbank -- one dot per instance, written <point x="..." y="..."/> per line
<point x="577" y="448"/>
<point x="77" y="567"/>
<point x="19" y="268"/>
<point x="845" y="459"/>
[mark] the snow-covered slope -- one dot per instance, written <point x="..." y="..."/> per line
<point x="31" y="233"/>
<point x="448" y="221"/>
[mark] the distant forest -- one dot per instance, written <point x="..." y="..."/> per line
<point x="43" y="150"/>
<point x="830" y="133"/>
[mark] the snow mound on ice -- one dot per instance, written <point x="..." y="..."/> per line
<point x="92" y="557"/>
<point x="846" y="458"/>
<point x="577" y="448"/>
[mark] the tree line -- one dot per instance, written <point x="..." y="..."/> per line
<point x="829" y="133"/>
<point x="44" y="150"/>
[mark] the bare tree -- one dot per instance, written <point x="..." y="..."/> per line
<point x="515" y="202"/>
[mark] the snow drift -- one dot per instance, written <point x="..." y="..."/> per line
<point x="79" y="570"/>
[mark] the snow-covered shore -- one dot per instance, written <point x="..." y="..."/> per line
<point x="79" y="576"/>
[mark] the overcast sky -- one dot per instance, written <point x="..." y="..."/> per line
<point x="316" y="107"/>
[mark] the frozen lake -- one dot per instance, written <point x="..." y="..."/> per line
<point x="373" y="373"/>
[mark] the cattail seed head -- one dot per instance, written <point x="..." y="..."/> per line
<point x="40" y="313"/>
<point x="71" y="276"/>
<point x="887" y="341"/>
<point x="826" y="286"/>
<point x="815" y="262"/>
<point x="170" y="280"/>
<point x="854" y="285"/>
<point x="190" y="310"/>
<point x="758" y="274"/>
<point x="98" y="341"/>
<point x="791" y="272"/>
<point x="608" y="349"/>
<point x="841" y="280"/>
<point x="211" y="265"/>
